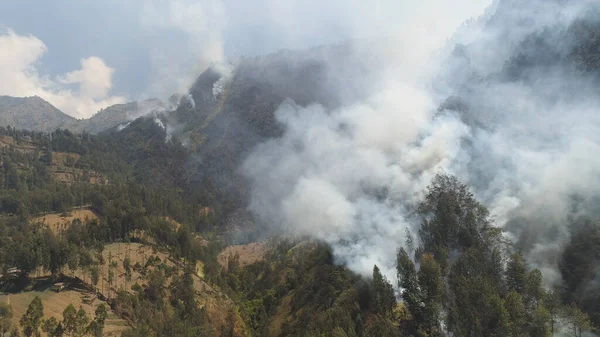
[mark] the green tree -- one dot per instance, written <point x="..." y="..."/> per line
<point x="452" y="219"/>
<point x="96" y="327"/>
<point x="553" y="305"/>
<point x="31" y="320"/>
<point x="516" y="310"/>
<point x="94" y="275"/>
<point x="111" y="273"/>
<point x="534" y="290"/>
<point x="381" y="327"/>
<point x="69" y="322"/>
<point x="101" y="261"/>
<point x="499" y="323"/>
<point x="431" y="286"/>
<point x="516" y="274"/>
<point x="409" y="283"/>
<point x="82" y="322"/>
<point x="51" y="327"/>
<point x="6" y="315"/>
<point x="383" y="293"/>
<point x="578" y="321"/>
<point x="73" y="259"/>
<point x="540" y="326"/>
<point x="127" y="268"/>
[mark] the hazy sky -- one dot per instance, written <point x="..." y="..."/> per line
<point x="83" y="55"/>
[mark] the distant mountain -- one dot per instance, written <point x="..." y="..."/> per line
<point x="34" y="113"/>
<point x="118" y="114"/>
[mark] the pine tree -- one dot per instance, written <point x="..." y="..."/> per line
<point x="81" y="322"/>
<point x="96" y="327"/>
<point x="384" y="293"/>
<point x="514" y="305"/>
<point x="50" y="327"/>
<point x="553" y="305"/>
<point x="6" y="315"/>
<point x="516" y="274"/>
<point x="409" y="283"/>
<point x="32" y="318"/>
<point x="430" y="285"/>
<point x="579" y="322"/>
<point x="70" y="320"/>
<point x="539" y="323"/>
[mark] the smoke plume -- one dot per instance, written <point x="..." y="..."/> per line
<point x="502" y="105"/>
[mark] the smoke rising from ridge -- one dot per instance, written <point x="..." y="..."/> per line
<point x="519" y="129"/>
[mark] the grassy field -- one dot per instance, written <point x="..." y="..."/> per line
<point x="248" y="254"/>
<point x="216" y="304"/>
<point x="58" y="222"/>
<point x="55" y="303"/>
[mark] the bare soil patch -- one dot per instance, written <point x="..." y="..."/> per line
<point x="248" y="254"/>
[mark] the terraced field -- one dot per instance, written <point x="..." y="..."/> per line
<point x="56" y="302"/>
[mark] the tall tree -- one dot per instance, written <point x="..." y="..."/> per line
<point x="69" y="322"/>
<point x="578" y="321"/>
<point x="6" y="315"/>
<point x="409" y="283"/>
<point x="534" y="290"/>
<point x="31" y="320"/>
<point x="384" y="298"/>
<point x="96" y="327"/>
<point x="51" y="327"/>
<point x="516" y="311"/>
<point x="82" y="322"/>
<point x="516" y="274"/>
<point x="553" y="305"/>
<point x="431" y="286"/>
<point x="540" y="326"/>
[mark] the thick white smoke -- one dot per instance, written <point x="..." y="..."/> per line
<point x="351" y="176"/>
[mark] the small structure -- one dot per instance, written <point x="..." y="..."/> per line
<point x="11" y="273"/>
<point x="58" y="287"/>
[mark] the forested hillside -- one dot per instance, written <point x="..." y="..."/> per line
<point x="134" y="227"/>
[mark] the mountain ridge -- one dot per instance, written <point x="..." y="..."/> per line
<point x="36" y="114"/>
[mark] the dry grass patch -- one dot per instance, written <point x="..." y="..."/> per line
<point x="248" y="254"/>
<point x="58" y="222"/>
<point x="217" y="305"/>
<point x="55" y="303"/>
<point x="281" y="316"/>
<point x="22" y="146"/>
<point x="65" y="158"/>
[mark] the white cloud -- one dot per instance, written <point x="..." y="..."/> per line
<point x="19" y="76"/>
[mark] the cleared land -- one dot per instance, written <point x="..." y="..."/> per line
<point x="55" y="303"/>
<point x="248" y="254"/>
<point x="59" y="222"/>
<point x="216" y="304"/>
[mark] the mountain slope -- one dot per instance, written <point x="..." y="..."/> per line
<point x="32" y="113"/>
<point x="233" y="110"/>
<point x="36" y="114"/>
<point x="117" y="114"/>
